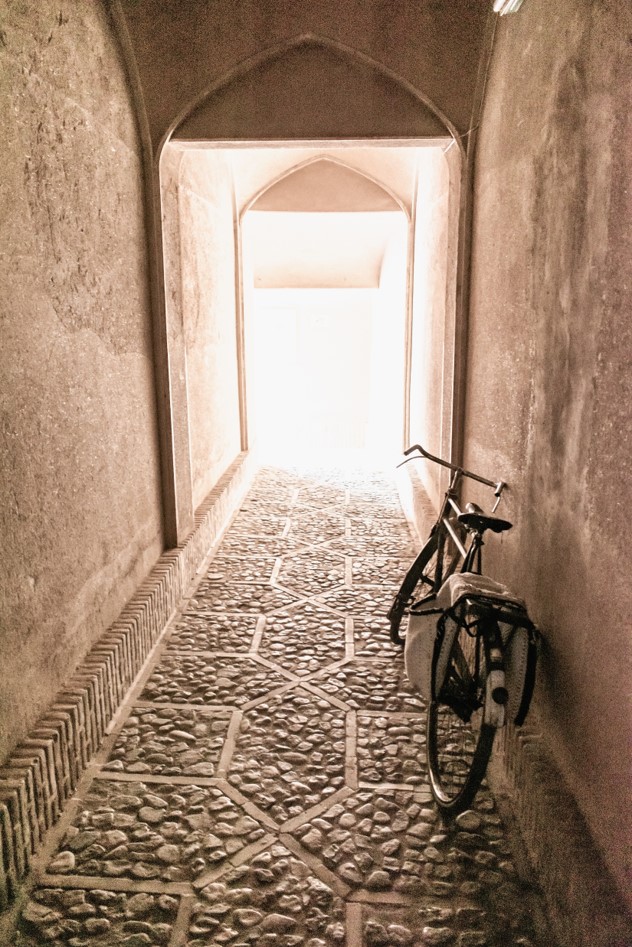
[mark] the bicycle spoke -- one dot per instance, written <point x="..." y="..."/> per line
<point x="459" y="742"/>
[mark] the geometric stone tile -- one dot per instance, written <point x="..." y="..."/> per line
<point x="376" y="529"/>
<point x="460" y="874"/>
<point x="304" y="637"/>
<point x="378" y="570"/>
<point x="245" y="597"/>
<point x="290" y="754"/>
<point x="376" y="685"/>
<point x="368" y="545"/>
<point x="412" y="880"/>
<point x="272" y="485"/>
<point x="153" y="832"/>
<point x="367" y="600"/>
<point x="312" y="571"/>
<point x="482" y="915"/>
<point x="210" y="679"/>
<point x="385" y="924"/>
<point x="391" y="749"/>
<point x="316" y="526"/>
<point x="387" y="841"/>
<point x="320" y="496"/>
<point x="383" y="538"/>
<point x="375" y="840"/>
<point x="75" y="916"/>
<point x="230" y="568"/>
<point x="202" y="629"/>
<point x="169" y="742"/>
<point x="273" y="900"/>
<point x="264" y="500"/>
<point x="371" y="638"/>
<point x="380" y="491"/>
<point x="258" y="523"/>
<point x="244" y="546"/>
<point x="386" y="508"/>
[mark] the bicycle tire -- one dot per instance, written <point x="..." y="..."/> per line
<point x="458" y="749"/>
<point x="419" y="572"/>
<point x="422" y="580"/>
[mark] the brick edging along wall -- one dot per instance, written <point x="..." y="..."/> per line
<point x="42" y="772"/>
<point x="585" y="908"/>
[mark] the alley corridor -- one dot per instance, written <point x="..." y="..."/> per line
<point x="265" y="783"/>
<point x="236" y="233"/>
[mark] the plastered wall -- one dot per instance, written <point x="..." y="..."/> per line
<point x="79" y="486"/>
<point x="549" y="377"/>
<point x="201" y="306"/>
<point x="433" y="310"/>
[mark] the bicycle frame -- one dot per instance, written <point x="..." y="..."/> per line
<point x="450" y="510"/>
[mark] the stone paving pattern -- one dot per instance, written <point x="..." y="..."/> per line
<point x="266" y="783"/>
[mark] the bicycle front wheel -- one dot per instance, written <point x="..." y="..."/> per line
<point x="418" y="582"/>
<point x="458" y="742"/>
<point x="438" y="559"/>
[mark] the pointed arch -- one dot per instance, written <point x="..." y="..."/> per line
<point x="383" y="197"/>
<point x="310" y="88"/>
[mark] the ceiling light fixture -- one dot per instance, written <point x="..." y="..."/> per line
<point x="506" y="6"/>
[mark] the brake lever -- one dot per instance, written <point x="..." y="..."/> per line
<point x="498" y="492"/>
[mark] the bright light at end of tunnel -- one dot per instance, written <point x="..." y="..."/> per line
<point x="507" y="6"/>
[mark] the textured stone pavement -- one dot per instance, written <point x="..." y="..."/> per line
<point x="266" y="782"/>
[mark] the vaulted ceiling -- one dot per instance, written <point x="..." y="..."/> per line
<point x="278" y="69"/>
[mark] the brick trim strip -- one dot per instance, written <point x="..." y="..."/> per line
<point x="585" y="909"/>
<point x="43" y="771"/>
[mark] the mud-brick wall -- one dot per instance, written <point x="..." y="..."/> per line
<point x="79" y="485"/>
<point x="550" y="377"/>
<point x="199" y="244"/>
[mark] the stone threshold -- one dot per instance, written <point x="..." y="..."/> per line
<point x="43" y="771"/>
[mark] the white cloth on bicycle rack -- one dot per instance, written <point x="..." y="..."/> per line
<point x="422" y="632"/>
<point x="419" y="646"/>
<point x="515" y="637"/>
<point x="462" y="584"/>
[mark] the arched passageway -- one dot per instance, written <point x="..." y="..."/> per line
<point x="373" y="111"/>
<point x="130" y="130"/>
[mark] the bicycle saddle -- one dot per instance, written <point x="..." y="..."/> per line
<point x="476" y="519"/>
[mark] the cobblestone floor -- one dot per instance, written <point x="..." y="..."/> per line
<point x="266" y="783"/>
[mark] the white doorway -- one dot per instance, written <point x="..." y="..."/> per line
<point x="325" y="316"/>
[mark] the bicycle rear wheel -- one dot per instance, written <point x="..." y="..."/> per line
<point x="438" y="559"/>
<point x="458" y="742"/>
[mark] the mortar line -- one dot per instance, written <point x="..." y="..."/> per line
<point x="230" y="742"/>
<point x="353" y="924"/>
<point x="182" y="922"/>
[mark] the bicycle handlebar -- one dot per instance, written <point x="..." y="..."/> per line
<point x="498" y="487"/>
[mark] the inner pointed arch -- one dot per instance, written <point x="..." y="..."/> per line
<point x="324" y="183"/>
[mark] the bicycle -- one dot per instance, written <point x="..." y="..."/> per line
<point x="471" y="648"/>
